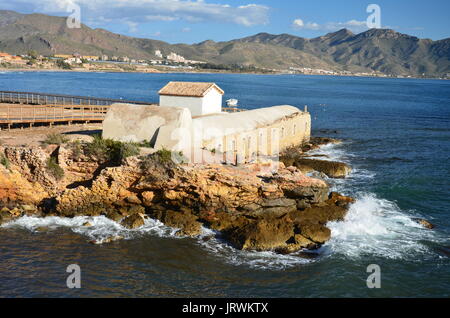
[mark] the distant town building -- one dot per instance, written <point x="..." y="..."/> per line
<point x="12" y="59"/>
<point x="176" y="58"/>
<point x="158" y="54"/>
<point x="63" y="56"/>
<point x="90" y="58"/>
<point x="104" y="57"/>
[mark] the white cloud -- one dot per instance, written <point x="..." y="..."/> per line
<point x="138" y="11"/>
<point x="353" y="25"/>
<point x="298" y="23"/>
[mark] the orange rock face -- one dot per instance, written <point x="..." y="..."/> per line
<point x="15" y="188"/>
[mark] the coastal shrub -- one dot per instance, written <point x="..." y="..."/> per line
<point x="4" y="161"/>
<point x="55" y="139"/>
<point x="77" y="149"/>
<point x="108" y="150"/>
<point x="145" y="144"/>
<point x="63" y="65"/>
<point x="164" y="155"/>
<point x="54" y="169"/>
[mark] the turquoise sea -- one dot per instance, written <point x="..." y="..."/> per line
<point x="396" y="136"/>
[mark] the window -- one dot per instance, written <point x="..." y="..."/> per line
<point x="282" y="132"/>
<point x="294" y="130"/>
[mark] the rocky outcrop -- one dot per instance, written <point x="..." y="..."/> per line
<point x="254" y="209"/>
<point x="297" y="157"/>
<point x="331" y="169"/>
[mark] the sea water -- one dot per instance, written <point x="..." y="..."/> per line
<point x="396" y="136"/>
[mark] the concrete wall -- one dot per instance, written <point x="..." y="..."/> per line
<point x="246" y="135"/>
<point x="210" y="104"/>
<point x="158" y="125"/>
<point x="194" y="104"/>
<point x="267" y="139"/>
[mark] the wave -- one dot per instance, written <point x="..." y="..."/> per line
<point x="378" y="227"/>
<point x="101" y="228"/>
<point x="372" y="227"/>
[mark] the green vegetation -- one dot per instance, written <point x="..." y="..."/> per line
<point x="164" y="155"/>
<point x="63" y="65"/>
<point x="145" y="144"/>
<point x="54" y="169"/>
<point x="108" y="150"/>
<point x="4" y="161"/>
<point x="232" y="68"/>
<point x="77" y="149"/>
<point x="33" y="54"/>
<point x="55" y="139"/>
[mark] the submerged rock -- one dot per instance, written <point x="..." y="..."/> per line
<point x="133" y="221"/>
<point x="424" y="223"/>
<point x="332" y="169"/>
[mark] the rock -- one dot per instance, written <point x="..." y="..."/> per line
<point x="28" y="208"/>
<point x="87" y="224"/>
<point x="147" y="197"/>
<point x="332" y="169"/>
<point x="424" y="223"/>
<point x="114" y="215"/>
<point x="262" y="235"/>
<point x="16" y="212"/>
<point x="42" y="229"/>
<point x="133" y="199"/>
<point x="315" y="232"/>
<point x="133" y="221"/>
<point x="184" y="220"/>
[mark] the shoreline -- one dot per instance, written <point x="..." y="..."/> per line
<point x="56" y="70"/>
<point x="282" y="212"/>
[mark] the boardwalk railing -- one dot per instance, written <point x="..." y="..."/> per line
<point x="30" y="108"/>
<point x="30" y="114"/>
<point x="30" y="98"/>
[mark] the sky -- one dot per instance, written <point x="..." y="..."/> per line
<point x="193" y="21"/>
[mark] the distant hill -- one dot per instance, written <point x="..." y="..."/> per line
<point x="380" y="50"/>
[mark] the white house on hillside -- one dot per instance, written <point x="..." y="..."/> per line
<point x="199" y="98"/>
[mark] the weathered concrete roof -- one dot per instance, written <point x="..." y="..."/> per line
<point x="189" y="89"/>
<point x="230" y="123"/>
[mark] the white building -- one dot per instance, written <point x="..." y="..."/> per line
<point x="158" y="54"/>
<point x="200" y="98"/>
<point x="176" y="58"/>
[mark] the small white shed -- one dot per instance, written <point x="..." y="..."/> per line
<point x="200" y="98"/>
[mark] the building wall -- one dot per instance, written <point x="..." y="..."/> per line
<point x="267" y="140"/>
<point x="194" y="104"/>
<point x="210" y="104"/>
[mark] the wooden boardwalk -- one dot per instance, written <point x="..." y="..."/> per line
<point x="19" y="109"/>
<point x="13" y="114"/>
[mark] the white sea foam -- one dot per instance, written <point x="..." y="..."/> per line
<point x="258" y="260"/>
<point x="102" y="228"/>
<point x="378" y="227"/>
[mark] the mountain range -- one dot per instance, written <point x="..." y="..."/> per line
<point x="381" y="50"/>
